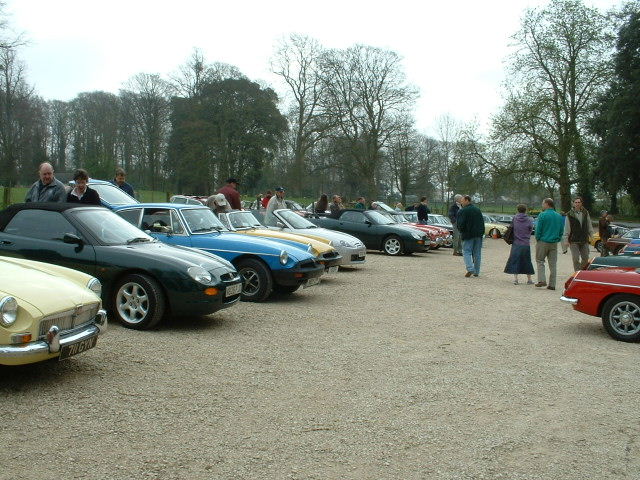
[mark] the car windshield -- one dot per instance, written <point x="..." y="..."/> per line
<point x="378" y="218"/>
<point x="632" y="233"/>
<point x="112" y="195"/>
<point x="295" y="220"/>
<point x="202" y="220"/>
<point x="109" y="228"/>
<point x="243" y="220"/>
<point x="383" y="206"/>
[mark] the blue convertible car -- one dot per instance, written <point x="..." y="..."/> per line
<point x="266" y="265"/>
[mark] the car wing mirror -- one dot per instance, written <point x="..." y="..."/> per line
<point x="72" y="238"/>
<point x="368" y="222"/>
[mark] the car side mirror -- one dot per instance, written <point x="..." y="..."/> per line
<point x="367" y="222"/>
<point x="71" y="238"/>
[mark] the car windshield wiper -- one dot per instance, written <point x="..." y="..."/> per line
<point x="205" y="229"/>
<point x="137" y="240"/>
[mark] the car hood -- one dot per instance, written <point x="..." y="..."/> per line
<point x="175" y="255"/>
<point x="318" y="246"/>
<point x="30" y="285"/>
<point x="251" y="244"/>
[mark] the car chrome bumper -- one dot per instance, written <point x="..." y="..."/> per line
<point x="572" y="301"/>
<point x="56" y="340"/>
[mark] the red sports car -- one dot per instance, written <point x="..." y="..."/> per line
<point x="613" y="294"/>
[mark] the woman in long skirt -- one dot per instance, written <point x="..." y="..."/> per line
<point x="520" y="257"/>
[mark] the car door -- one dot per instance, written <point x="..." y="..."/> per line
<point x="355" y="223"/>
<point x="39" y="235"/>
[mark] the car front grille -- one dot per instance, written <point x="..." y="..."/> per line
<point x="330" y="255"/>
<point x="228" y="277"/>
<point x="307" y="264"/>
<point x="69" y="319"/>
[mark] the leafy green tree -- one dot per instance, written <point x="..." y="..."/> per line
<point x="617" y="123"/>
<point x="561" y="65"/>
<point x="231" y="128"/>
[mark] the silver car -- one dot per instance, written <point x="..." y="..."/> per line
<point x="351" y="249"/>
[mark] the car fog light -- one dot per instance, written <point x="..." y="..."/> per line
<point x="211" y="291"/>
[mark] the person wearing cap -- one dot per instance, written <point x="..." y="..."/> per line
<point x="276" y="202"/>
<point x="604" y="230"/>
<point x="218" y="203"/>
<point x="230" y="192"/>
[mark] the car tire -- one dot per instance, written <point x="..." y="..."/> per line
<point x="621" y="317"/>
<point x="138" y="302"/>
<point x="257" y="283"/>
<point x="392" y="245"/>
<point x="285" y="289"/>
<point x="598" y="246"/>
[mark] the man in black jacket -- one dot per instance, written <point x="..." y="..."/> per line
<point x="82" y="193"/>
<point x="423" y="211"/>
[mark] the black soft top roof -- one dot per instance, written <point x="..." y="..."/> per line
<point x="8" y="213"/>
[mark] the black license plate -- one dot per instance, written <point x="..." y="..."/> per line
<point x="77" y="347"/>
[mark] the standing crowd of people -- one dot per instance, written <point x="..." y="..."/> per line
<point x="573" y="231"/>
<point x="49" y="189"/>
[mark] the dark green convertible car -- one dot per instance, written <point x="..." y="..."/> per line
<point x="142" y="278"/>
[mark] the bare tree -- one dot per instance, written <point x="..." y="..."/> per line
<point x="14" y="93"/>
<point x="196" y="72"/>
<point x="148" y="98"/>
<point x="366" y="96"/>
<point x="296" y="62"/>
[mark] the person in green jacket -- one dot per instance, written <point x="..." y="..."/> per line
<point x="549" y="230"/>
<point x="470" y="223"/>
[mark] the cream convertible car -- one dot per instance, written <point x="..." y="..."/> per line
<point x="47" y="311"/>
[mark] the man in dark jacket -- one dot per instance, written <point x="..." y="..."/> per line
<point x="82" y="193"/>
<point x="471" y="225"/>
<point x="48" y="188"/>
<point x="453" y="216"/>
<point x="578" y="230"/>
<point x="423" y="211"/>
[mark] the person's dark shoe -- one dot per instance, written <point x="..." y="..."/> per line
<point x="468" y="274"/>
<point x="551" y="288"/>
<point x="541" y="284"/>
<point x="475" y="274"/>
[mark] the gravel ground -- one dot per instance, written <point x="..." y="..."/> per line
<point x="400" y="369"/>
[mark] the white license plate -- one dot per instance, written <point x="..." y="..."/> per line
<point x="333" y="269"/>
<point x="77" y="347"/>
<point x="233" y="290"/>
<point x="310" y="282"/>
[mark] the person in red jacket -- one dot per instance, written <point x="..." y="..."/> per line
<point x="267" y="197"/>
<point x="230" y="191"/>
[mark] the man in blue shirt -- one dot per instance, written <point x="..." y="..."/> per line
<point x="549" y="230"/>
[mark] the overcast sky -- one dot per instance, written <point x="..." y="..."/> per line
<point x="454" y="51"/>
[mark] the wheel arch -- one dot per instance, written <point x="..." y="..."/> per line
<point x="138" y="271"/>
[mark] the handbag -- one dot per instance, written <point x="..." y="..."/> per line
<point x="508" y="235"/>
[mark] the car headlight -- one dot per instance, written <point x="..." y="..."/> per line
<point x="8" y="311"/>
<point x="344" y="243"/>
<point x="284" y="257"/>
<point x="199" y="274"/>
<point x="95" y="286"/>
<point x="416" y="235"/>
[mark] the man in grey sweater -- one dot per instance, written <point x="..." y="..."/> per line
<point x="48" y="188"/>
